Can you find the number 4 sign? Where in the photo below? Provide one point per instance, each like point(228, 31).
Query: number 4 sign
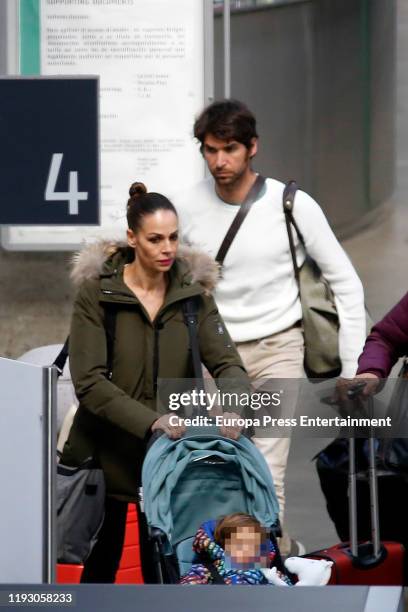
point(39, 116)
point(72, 196)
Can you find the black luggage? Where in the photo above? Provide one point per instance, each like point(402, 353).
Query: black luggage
point(383, 509)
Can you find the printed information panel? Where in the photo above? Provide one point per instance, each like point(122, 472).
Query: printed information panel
point(149, 55)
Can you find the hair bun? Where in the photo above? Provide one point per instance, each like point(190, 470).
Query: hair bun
point(137, 189)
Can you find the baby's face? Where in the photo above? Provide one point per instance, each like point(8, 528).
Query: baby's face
point(244, 546)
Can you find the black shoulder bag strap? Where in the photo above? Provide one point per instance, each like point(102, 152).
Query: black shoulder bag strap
point(288, 202)
point(110, 311)
point(61, 358)
point(110, 326)
point(190, 312)
point(243, 210)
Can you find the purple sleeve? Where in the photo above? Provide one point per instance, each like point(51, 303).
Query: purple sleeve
point(387, 342)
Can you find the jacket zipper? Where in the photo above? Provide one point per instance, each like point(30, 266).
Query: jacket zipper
point(157, 326)
point(109, 292)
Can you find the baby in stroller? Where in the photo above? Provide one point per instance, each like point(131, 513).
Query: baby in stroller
point(190, 481)
point(237, 549)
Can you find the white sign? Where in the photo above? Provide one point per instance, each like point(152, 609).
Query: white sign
point(150, 58)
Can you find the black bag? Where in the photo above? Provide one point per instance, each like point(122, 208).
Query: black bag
point(332, 464)
point(80, 510)
point(391, 453)
point(81, 490)
point(319, 312)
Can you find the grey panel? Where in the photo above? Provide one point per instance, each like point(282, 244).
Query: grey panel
point(320, 77)
point(383, 100)
point(21, 477)
point(269, 73)
point(380, 599)
point(239, 598)
point(176, 598)
point(340, 110)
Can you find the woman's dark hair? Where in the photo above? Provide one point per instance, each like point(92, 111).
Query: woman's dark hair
point(226, 120)
point(142, 203)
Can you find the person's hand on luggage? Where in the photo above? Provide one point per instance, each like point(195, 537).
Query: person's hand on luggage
point(342, 386)
point(174, 432)
point(372, 383)
point(230, 429)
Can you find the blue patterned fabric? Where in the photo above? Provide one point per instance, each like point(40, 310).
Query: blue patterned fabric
point(204, 544)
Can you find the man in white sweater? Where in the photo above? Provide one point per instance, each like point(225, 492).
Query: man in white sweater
point(257, 294)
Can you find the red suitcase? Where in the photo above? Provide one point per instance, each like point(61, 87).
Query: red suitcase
point(130, 570)
point(366, 563)
point(365, 569)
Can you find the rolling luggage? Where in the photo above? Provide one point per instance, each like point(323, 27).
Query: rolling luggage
point(366, 562)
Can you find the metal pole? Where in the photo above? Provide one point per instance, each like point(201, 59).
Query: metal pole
point(373, 484)
point(375, 522)
point(11, 9)
point(208, 52)
point(353, 496)
point(49, 462)
point(227, 48)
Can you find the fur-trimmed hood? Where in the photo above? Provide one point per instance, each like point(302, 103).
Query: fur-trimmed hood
point(90, 263)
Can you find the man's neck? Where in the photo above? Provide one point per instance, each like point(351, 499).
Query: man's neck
point(237, 192)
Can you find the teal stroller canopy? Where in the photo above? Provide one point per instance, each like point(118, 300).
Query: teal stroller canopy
point(204, 476)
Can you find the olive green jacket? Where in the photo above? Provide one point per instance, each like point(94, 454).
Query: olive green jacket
point(114, 416)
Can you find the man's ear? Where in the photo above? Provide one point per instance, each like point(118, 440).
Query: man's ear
point(253, 148)
point(131, 238)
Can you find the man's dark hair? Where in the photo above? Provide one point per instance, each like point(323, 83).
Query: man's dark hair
point(226, 120)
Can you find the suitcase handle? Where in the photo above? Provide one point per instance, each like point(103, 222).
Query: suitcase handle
point(353, 393)
point(356, 389)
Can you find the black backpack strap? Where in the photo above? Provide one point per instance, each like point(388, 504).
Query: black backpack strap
point(110, 327)
point(243, 210)
point(61, 358)
point(190, 312)
point(110, 330)
point(288, 201)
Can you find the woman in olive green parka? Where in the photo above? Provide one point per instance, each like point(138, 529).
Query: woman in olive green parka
point(145, 283)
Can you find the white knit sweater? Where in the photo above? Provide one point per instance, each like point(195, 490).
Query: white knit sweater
point(257, 294)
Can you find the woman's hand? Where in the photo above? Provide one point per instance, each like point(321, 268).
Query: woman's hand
point(174, 432)
point(233, 430)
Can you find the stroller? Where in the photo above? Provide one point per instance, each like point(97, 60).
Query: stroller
point(200, 477)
